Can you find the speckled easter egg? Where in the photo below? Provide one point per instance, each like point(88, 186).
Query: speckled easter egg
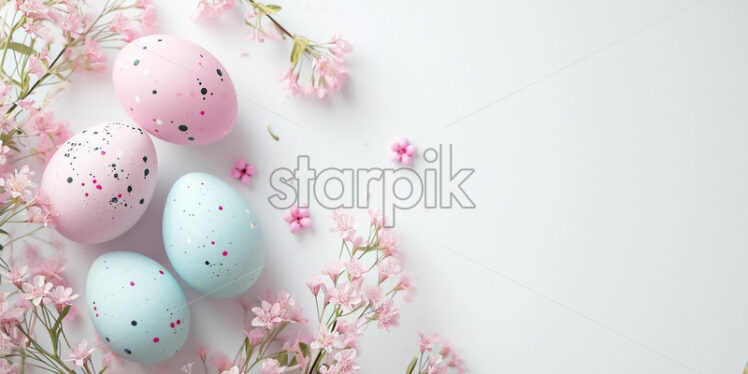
point(100, 181)
point(175, 90)
point(212, 236)
point(137, 307)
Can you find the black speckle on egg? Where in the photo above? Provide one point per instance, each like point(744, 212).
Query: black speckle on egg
point(70, 179)
point(207, 262)
point(129, 189)
point(190, 138)
point(129, 352)
point(107, 339)
point(134, 323)
point(146, 172)
point(142, 201)
point(136, 62)
point(204, 91)
point(182, 127)
point(154, 92)
point(145, 158)
point(220, 73)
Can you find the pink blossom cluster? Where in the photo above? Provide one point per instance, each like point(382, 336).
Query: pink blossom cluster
point(317, 68)
point(39, 283)
point(211, 8)
point(437, 356)
point(328, 72)
point(364, 285)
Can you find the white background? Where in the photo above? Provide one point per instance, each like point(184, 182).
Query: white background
point(609, 142)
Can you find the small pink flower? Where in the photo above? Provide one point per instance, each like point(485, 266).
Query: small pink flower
point(333, 269)
point(10, 314)
point(346, 295)
point(80, 354)
point(405, 283)
point(403, 152)
point(389, 242)
point(388, 267)
point(37, 290)
point(314, 282)
point(267, 316)
point(355, 269)
point(36, 67)
point(345, 361)
point(326, 340)
point(374, 295)
point(222, 362)
point(388, 316)
point(256, 336)
point(202, 351)
point(375, 218)
point(271, 366)
point(211, 8)
point(60, 297)
point(16, 274)
point(345, 225)
point(297, 218)
point(427, 342)
point(243, 171)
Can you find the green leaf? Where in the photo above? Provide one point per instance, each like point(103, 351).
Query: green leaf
point(282, 359)
point(4, 232)
point(267, 9)
point(304, 349)
point(275, 137)
point(411, 366)
point(21, 48)
point(59, 319)
point(299, 45)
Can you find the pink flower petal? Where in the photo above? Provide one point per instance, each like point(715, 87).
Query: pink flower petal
point(295, 227)
point(410, 150)
point(246, 179)
point(236, 173)
point(240, 164)
point(306, 222)
point(407, 160)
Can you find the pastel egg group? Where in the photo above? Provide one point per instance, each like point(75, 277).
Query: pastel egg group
point(212, 236)
point(100, 182)
point(137, 307)
point(175, 90)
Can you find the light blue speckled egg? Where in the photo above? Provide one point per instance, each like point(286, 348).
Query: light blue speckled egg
point(137, 307)
point(212, 236)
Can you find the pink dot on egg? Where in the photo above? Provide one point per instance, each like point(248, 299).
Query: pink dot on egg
point(225, 253)
point(98, 186)
point(95, 308)
point(83, 184)
point(212, 242)
point(172, 325)
point(202, 112)
point(179, 322)
point(160, 271)
point(220, 207)
point(120, 195)
point(103, 152)
point(86, 194)
point(132, 284)
point(156, 340)
point(93, 181)
point(97, 315)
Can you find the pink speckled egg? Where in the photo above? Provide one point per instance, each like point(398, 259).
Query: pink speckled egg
point(175, 90)
point(100, 182)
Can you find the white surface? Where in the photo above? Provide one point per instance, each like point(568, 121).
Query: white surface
point(610, 180)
